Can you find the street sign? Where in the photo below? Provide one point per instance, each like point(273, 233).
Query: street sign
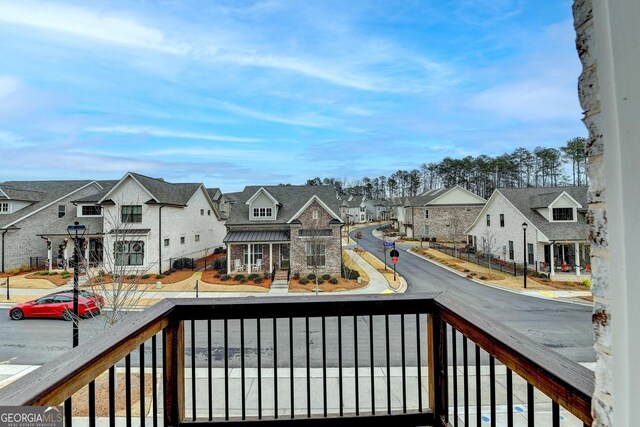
point(394, 253)
point(394, 259)
point(389, 243)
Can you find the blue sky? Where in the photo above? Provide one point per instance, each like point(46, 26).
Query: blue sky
point(232, 92)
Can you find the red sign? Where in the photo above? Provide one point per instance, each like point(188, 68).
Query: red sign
point(394, 259)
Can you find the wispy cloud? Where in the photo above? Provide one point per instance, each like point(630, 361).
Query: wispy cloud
point(166, 133)
point(215, 153)
point(84, 22)
point(8, 85)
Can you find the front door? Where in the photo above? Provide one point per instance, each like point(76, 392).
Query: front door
point(284, 255)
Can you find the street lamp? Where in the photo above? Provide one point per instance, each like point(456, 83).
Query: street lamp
point(73, 231)
point(524, 231)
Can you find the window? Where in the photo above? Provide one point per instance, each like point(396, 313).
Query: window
point(426, 214)
point(131, 213)
point(316, 254)
point(362, 209)
point(182, 240)
point(62, 211)
point(91, 210)
point(129, 253)
point(315, 214)
point(256, 253)
point(511, 249)
point(563, 214)
point(262, 212)
point(530, 253)
point(166, 242)
point(488, 220)
point(202, 212)
point(501, 220)
point(209, 212)
point(426, 229)
point(4, 207)
point(197, 237)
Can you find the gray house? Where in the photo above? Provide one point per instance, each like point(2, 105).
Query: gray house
point(285, 228)
point(29, 209)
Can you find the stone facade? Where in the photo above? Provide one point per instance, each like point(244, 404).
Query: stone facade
point(445, 222)
point(332, 243)
point(588, 89)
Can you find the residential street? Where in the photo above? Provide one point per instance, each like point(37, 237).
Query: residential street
point(566, 328)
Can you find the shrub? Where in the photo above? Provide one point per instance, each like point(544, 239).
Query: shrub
point(543, 276)
point(304, 281)
point(320, 281)
point(101, 273)
point(296, 275)
point(326, 276)
point(166, 273)
point(466, 270)
point(586, 283)
point(144, 276)
point(53, 273)
point(257, 280)
point(225, 277)
point(217, 251)
point(24, 267)
point(172, 270)
point(159, 276)
point(99, 280)
point(14, 270)
point(333, 281)
point(131, 276)
point(253, 276)
point(266, 275)
point(65, 272)
point(349, 274)
point(311, 276)
point(474, 274)
point(183, 263)
point(219, 263)
point(534, 274)
point(483, 278)
point(239, 276)
point(243, 280)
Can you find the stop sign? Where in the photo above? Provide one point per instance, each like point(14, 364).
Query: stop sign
point(394, 259)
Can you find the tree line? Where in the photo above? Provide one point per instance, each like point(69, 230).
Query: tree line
point(540, 167)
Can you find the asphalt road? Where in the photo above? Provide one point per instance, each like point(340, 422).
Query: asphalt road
point(562, 327)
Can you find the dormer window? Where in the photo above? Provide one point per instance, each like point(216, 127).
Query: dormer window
point(4, 207)
point(563, 214)
point(262, 212)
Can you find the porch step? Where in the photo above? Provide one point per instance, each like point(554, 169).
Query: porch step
point(281, 275)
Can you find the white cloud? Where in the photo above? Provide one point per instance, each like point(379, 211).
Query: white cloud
point(10, 140)
point(88, 23)
point(309, 120)
point(8, 86)
point(167, 133)
point(216, 153)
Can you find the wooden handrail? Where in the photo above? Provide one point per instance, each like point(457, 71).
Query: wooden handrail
point(59, 379)
point(564, 381)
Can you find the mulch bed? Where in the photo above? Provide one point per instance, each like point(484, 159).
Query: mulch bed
point(342, 285)
point(213, 277)
point(81, 398)
point(176, 277)
point(55, 279)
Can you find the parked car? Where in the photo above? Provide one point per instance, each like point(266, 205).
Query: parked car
point(58, 305)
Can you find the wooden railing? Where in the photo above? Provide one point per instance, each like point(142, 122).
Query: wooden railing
point(335, 360)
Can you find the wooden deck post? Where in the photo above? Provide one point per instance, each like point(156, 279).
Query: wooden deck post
point(174, 381)
point(438, 375)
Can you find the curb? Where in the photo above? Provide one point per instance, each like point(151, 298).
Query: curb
point(480, 282)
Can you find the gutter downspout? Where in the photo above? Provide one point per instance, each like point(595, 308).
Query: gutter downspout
point(160, 239)
point(4, 231)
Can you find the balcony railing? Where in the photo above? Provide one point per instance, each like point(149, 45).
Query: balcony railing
point(397, 360)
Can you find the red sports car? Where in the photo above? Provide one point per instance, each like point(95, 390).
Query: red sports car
point(59, 305)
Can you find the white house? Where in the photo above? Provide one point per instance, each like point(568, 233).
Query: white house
point(556, 231)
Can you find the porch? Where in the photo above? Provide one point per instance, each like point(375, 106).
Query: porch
point(257, 251)
point(570, 258)
point(398, 360)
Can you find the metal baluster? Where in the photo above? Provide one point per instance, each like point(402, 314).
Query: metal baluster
point(242, 373)
point(164, 373)
point(275, 368)
point(68, 413)
point(478, 388)
point(355, 356)
point(259, 344)
point(308, 371)
point(127, 389)
point(154, 376)
point(454, 358)
point(531, 410)
point(509, 398)
point(492, 389)
point(387, 351)
point(291, 365)
point(340, 364)
point(465, 379)
point(141, 376)
point(209, 370)
point(373, 390)
point(555, 411)
point(419, 362)
point(92, 404)
point(193, 369)
point(112, 396)
point(324, 366)
point(226, 370)
point(404, 366)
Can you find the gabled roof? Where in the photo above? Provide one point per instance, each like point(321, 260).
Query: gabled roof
point(47, 192)
point(214, 193)
point(291, 198)
point(160, 191)
point(354, 201)
point(527, 200)
point(264, 191)
point(10, 193)
point(430, 196)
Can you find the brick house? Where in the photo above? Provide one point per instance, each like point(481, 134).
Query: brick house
point(285, 228)
point(443, 213)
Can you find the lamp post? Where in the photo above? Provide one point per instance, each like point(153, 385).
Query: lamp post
point(73, 231)
point(524, 231)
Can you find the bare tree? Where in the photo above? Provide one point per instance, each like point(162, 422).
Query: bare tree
point(489, 245)
point(455, 226)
